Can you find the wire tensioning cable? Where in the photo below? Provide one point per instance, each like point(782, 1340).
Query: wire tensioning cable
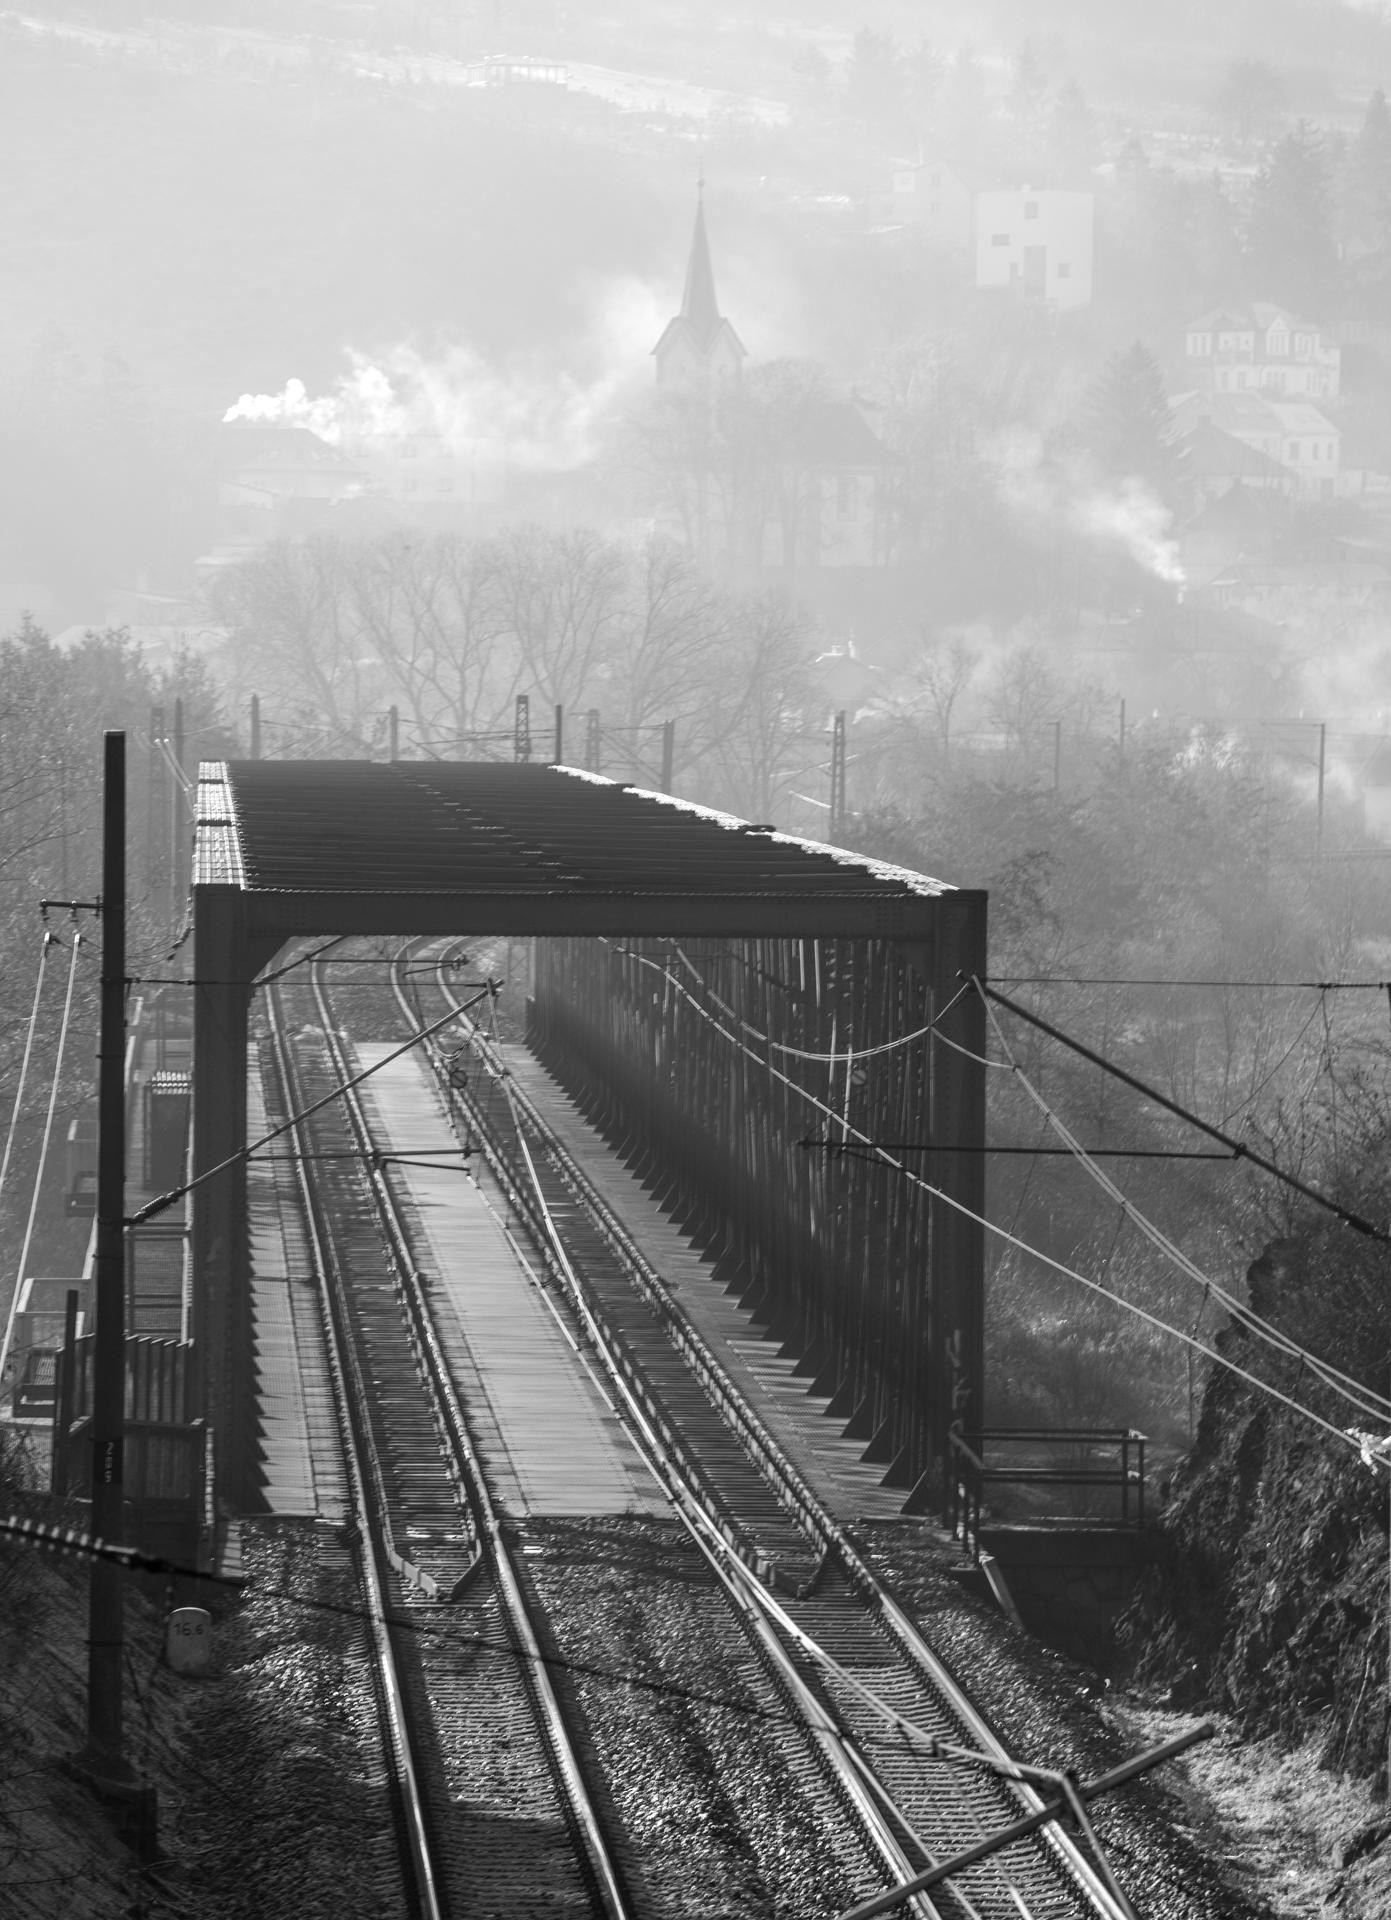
point(834, 1058)
point(47, 942)
point(77, 943)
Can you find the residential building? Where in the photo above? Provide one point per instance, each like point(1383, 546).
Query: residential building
point(1292, 433)
point(938, 199)
point(266, 467)
point(1261, 349)
point(1036, 241)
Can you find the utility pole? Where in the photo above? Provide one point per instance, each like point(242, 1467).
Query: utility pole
point(103, 1758)
point(176, 823)
point(393, 735)
point(1323, 748)
point(558, 759)
point(592, 748)
point(521, 729)
point(255, 726)
point(836, 820)
point(668, 753)
point(154, 812)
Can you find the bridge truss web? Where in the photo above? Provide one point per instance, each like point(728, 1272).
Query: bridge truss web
point(741, 1076)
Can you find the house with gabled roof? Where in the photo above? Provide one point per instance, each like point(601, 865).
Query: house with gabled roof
point(1260, 348)
point(1292, 433)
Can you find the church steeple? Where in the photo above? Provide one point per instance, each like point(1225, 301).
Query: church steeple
point(699, 344)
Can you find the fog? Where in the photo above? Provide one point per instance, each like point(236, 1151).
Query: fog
point(998, 394)
point(1049, 337)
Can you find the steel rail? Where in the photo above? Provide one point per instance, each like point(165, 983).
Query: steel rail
point(363, 1471)
point(578, 1802)
point(788, 1482)
point(872, 1806)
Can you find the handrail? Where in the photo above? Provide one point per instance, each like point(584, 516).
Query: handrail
point(972, 1472)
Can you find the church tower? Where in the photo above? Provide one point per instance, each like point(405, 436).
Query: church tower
point(699, 347)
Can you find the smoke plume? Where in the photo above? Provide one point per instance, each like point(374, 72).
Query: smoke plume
point(523, 417)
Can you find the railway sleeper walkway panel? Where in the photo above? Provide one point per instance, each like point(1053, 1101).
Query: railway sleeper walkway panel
point(551, 1446)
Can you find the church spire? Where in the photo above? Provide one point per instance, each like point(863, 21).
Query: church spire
point(699, 305)
point(699, 344)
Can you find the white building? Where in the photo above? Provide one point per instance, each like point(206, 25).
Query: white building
point(1036, 241)
point(1294, 434)
point(937, 199)
point(1261, 349)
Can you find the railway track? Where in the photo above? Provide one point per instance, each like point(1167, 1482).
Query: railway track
point(884, 1717)
point(465, 1698)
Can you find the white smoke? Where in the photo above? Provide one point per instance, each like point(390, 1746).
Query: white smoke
point(528, 417)
point(1127, 514)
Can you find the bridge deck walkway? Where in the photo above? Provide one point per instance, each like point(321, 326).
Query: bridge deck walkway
point(550, 1443)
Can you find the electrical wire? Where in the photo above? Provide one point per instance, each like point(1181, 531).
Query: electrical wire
point(1251, 986)
point(833, 1058)
point(1238, 1147)
point(77, 943)
point(1363, 1399)
point(47, 942)
point(1346, 1438)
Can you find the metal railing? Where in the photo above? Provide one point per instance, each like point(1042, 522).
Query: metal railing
point(974, 1467)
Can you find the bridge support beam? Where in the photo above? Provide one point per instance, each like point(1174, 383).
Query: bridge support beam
point(225, 961)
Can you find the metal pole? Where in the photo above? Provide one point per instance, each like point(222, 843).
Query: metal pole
point(393, 734)
point(559, 735)
point(153, 812)
point(62, 1394)
point(668, 752)
point(836, 820)
point(521, 729)
point(176, 800)
point(255, 726)
point(105, 1637)
point(1323, 744)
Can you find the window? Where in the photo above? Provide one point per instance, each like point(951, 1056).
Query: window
point(446, 483)
point(1064, 269)
point(1031, 209)
point(1292, 451)
point(409, 450)
point(845, 496)
point(999, 239)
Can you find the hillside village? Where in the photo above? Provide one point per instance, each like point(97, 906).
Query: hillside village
point(1015, 413)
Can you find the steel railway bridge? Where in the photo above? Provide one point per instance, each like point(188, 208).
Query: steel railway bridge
point(733, 1007)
